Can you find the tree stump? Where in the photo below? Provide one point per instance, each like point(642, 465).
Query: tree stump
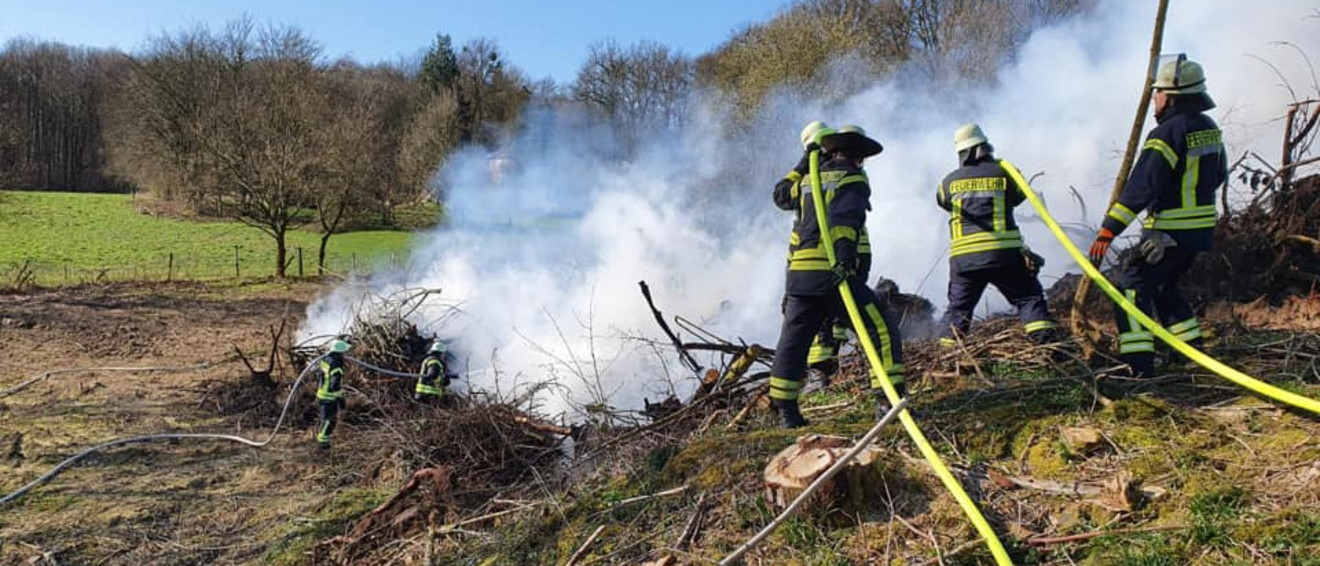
point(790, 472)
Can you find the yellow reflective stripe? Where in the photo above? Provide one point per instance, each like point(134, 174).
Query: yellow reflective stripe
point(843, 232)
point(1038, 325)
point(1186, 212)
point(886, 347)
point(1133, 324)
point(1193, 224)
point(786, 389)
point(955, 223)
point(1191, 176)
point(1136, 348)
point(1185, 325)
point(988, 247)
point(990, 237)
point(793, 176)
point(809, 265)
point(808, 254)
point(1189, 334)
point(428, 389)
point(850, 180)
point(1000, 220)
point(840, 332)
point(819, 352)
point(1122, 213)
point(948, 342)
point(794, 239)
point(1164, 149)
point(1136, 342)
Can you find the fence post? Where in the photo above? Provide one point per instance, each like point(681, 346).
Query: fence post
point(300, 264)
point(169, 273)
point(236, 274)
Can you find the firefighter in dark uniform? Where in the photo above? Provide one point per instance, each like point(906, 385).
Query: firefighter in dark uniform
point(812, 283)
point(330, 392)
point(1180, 167)
point(986, 246)
point(434, 377)
point(824, 353)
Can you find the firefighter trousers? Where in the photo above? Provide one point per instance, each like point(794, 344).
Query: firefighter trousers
point(803, 315)
point(329, 412)
point(1154, 289)
point(1019, 286)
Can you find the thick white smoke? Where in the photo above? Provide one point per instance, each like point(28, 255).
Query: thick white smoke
point(545, 262)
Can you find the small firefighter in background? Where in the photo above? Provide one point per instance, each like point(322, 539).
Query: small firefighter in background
point(1181, 165)
point(330, 392)
point(434, 375)
point(824, 353)
point(986, 247)
point(812, 285)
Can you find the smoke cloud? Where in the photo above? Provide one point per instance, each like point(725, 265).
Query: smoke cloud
point(544, 262)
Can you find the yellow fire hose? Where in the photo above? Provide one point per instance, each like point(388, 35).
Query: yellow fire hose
point(909, 424)
point(1182, 347)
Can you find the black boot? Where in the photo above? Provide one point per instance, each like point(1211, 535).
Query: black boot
point(789, 414)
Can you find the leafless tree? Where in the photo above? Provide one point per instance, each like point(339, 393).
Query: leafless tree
point(642, 88)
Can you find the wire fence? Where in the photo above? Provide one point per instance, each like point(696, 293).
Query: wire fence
point(238, 264)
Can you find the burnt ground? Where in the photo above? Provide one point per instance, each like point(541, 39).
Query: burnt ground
point(160, 503)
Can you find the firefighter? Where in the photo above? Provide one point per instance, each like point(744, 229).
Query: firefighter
point(1180, 166)
point(812, 283)
point(824, 352)
point(330, 392)
point(433, 369)
point(986, 247)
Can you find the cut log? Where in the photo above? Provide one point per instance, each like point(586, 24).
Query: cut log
point(790, 472)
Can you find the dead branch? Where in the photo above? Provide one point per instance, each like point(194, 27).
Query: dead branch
point(581, 551)
point(1045, 541)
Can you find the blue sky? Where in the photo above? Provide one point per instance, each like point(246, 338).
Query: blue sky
point(543, 37)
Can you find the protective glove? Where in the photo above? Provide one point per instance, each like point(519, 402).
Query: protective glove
point(1033, 260)
point(840, 272)
point(1153, 245)
point(1101, 246)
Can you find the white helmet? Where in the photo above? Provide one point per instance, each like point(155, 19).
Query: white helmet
point(1177, 75)
point(439, 346)
point(968, 136)
point(810, 131)
point(339, 346)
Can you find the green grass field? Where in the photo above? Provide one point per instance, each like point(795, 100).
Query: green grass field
point(77, 237)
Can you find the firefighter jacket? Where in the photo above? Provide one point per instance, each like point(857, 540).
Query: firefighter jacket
point(847, 196)
point(980, 198)
point(1181, 165)
point(332, 378)
point(433, 370)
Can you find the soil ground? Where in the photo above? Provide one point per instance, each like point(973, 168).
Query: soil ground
point(161, 503)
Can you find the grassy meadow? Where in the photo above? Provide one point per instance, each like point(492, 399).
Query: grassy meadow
point(74, 237)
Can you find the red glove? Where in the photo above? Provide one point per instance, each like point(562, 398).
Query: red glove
point(1101, 246)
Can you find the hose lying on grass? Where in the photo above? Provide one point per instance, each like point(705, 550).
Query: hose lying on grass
point(70, 461)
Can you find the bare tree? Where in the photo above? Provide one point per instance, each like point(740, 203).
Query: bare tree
point(238, 117)
point(639, 89)
point(50, 115)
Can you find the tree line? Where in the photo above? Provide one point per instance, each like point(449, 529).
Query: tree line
point(256, 123)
